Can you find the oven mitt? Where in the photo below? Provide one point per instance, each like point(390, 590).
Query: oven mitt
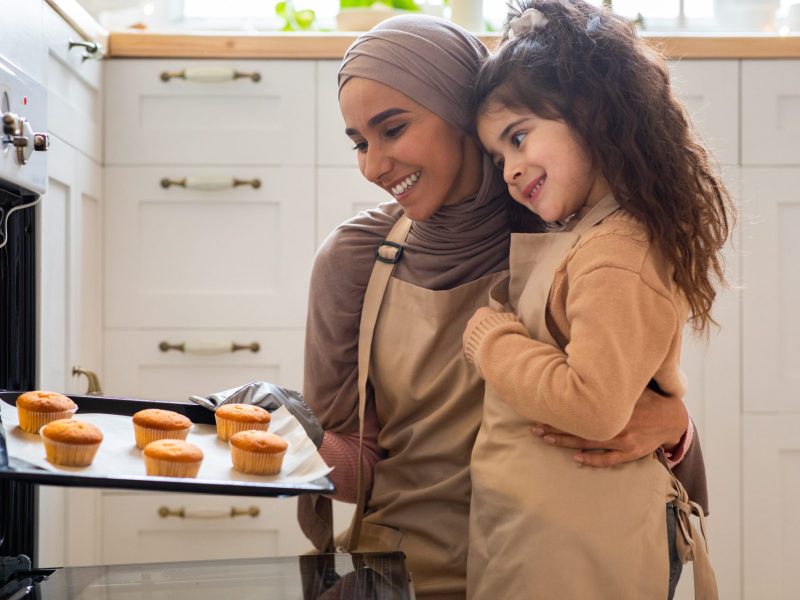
point(269, 396)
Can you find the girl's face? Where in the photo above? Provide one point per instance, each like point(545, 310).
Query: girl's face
point(545, 167)
point(421, 160)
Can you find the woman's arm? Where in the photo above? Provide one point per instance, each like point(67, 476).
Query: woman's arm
point(657, 421)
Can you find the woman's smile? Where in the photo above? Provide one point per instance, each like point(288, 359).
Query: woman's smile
point(402, 187)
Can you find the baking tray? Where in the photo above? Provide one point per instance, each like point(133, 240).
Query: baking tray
point(14, 468)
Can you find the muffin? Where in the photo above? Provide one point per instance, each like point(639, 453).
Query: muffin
point(38, 408)
point(172, 458)
point(232, 418)
point(71, 443)
point(257, 452)
point(153, 424)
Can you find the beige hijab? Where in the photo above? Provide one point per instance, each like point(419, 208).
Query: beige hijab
point(433, 62)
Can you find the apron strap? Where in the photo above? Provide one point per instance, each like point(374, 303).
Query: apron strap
point(692, 547)
point(387, 256)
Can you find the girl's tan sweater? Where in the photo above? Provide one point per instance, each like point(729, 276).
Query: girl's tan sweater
point(617, 317)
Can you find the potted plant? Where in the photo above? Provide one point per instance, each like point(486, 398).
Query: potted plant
point(362, 15)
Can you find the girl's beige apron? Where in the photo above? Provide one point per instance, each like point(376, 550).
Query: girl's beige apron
point(429, 404)
point(543, 527)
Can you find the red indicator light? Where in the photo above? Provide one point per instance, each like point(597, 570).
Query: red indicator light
point(24, 101)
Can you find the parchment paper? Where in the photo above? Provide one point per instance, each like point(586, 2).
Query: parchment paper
point(119, 456)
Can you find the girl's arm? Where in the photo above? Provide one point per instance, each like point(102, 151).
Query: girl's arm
point(621, 330)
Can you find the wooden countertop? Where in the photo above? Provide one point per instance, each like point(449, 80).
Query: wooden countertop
point(144, 44)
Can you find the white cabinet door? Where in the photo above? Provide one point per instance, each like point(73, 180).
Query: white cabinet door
point(21, 41)
point(342, 193)
point(771, 294)
point(712, 368)
point(69, 329)
point(150, 121)
point(134, 530)
point(770, 112)
point(70, 262)
point(771, 500)
point(135, 366)
point(74, 89)
point(334, 147)
point(710, 91)
point(193, 258)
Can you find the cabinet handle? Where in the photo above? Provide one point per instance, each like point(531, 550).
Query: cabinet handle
point(210, 183)
point(208, 348)
point(92, 379)
point(208, 513)
point(210, 75)
point(90, 49)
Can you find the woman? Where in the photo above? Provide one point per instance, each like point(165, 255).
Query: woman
point(404, 91)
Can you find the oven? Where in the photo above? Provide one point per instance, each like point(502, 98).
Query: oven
point(23, 179)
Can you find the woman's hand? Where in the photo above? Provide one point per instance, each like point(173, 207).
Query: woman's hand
point(656, 421)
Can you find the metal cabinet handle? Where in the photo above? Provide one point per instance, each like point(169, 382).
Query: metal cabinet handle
point(210, 75)
point(208, 348)
point(207, 183)
point(91, 49)
point(208, 513)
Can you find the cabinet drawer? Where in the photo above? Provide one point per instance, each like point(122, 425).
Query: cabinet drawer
point(133, 530)
point(136, 366)
point(343, 193)
point(710, 91)
point(335, 148)
point(770, 112)
point(74, 97)
point(270, 121)
point(236, 257)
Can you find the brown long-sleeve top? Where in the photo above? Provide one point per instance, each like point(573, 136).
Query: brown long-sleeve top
point(617, 317)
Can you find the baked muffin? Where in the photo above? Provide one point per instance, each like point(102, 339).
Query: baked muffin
point(38, 408)
point(257, 452)
point(153, 424)
point(233, 418)
point(172, 458)
point(71, 443)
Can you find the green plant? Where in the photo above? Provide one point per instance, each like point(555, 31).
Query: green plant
point(294, 20)
point(409, 5)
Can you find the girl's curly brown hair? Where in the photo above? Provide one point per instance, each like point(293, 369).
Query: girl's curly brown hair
point(589, 68)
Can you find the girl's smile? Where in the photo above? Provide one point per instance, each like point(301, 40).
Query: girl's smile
point(546, 168)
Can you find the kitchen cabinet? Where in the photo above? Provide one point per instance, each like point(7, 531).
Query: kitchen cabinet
point(70, 266)
point(770, 327)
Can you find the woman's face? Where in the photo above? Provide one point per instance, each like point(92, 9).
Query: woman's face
point(421, 160)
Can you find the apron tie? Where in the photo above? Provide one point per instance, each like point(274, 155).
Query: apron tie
point(690, 547)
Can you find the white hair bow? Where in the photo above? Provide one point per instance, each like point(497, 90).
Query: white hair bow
point(529, 21)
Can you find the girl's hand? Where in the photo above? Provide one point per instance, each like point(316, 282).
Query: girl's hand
point(656, 421)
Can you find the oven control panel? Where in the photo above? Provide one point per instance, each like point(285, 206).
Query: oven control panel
point(23, 112)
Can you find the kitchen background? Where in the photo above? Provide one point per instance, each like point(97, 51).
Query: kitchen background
point(184, 208)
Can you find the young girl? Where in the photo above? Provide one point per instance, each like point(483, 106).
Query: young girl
point(579, 115)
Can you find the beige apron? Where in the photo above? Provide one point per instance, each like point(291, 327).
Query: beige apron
point(429, 404)
point(542, 526)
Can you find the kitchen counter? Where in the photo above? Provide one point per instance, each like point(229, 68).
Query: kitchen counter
point(144, 44)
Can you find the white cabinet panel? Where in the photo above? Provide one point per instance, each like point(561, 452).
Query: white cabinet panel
point(710, 91)
point(241, 122)
point(196, 258)
point(771, 500)
point(342, 193)
point(135, 366)
point(770, 112)
point(21, 40)
point(771, 295)
point(334, 148)
point(133, 531)
point(74, 89)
